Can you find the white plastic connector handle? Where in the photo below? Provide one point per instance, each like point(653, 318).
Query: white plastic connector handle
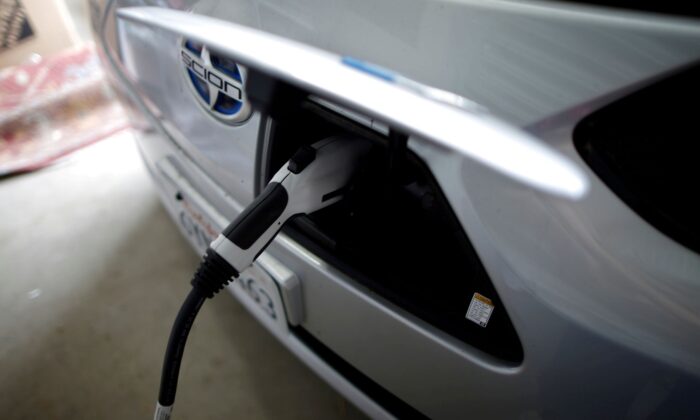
point(313, 184)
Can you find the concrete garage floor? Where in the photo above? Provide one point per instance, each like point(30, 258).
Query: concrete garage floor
point(92, 272)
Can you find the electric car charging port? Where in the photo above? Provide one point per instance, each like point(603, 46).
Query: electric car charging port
point(394, 232)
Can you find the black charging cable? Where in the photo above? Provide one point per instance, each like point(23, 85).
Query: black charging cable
point(212, 275)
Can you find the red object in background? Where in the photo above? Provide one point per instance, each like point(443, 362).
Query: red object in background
point(52, 106)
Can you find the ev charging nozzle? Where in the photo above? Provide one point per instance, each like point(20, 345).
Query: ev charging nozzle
point(314, 178)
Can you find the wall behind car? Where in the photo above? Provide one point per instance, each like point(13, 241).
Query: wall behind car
point(51, 26)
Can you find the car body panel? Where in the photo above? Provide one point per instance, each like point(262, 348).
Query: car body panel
point(604, 304)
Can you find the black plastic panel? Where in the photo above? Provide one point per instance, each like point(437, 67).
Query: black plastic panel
point(646, 148)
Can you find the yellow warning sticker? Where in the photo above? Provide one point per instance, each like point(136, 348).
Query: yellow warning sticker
point(480, 309)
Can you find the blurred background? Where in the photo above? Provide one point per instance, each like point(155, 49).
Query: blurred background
point(53, 96)
point(92, 271)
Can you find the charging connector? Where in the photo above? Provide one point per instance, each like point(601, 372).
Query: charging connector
point(314, 178)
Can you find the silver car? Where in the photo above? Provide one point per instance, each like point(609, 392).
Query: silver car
point(522, 243)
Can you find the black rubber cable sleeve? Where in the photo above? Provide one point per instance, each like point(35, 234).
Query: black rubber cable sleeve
point(213, 273)
point(176, 345)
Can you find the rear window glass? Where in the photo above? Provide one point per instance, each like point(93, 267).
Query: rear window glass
point(646, 148)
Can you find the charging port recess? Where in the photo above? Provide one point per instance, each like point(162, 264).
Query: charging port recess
point(394, 232)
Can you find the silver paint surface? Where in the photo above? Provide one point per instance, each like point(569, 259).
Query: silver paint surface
point(605, 305)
